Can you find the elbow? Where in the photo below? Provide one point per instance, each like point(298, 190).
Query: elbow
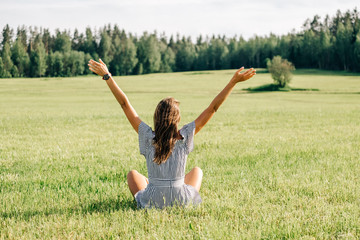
point(123, 105)
point(214, 109)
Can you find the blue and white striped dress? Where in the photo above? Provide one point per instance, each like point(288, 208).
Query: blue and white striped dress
point(166, 181)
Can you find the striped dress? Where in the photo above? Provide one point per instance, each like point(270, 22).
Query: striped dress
point(166, 181)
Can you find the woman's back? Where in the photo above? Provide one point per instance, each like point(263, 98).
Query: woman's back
point(166, 181)
point(174, 167)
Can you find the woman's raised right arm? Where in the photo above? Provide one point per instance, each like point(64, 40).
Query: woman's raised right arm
point(101, 69)
point(209, 112)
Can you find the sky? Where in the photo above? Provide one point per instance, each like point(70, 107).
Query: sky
point(186, 17)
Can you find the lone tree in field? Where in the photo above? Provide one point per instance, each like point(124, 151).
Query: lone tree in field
point(280, 70)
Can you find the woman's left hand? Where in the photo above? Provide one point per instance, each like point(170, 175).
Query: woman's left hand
point(240, 76)
point(99, 68)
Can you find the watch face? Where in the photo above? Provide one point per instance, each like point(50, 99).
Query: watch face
point(106, 76)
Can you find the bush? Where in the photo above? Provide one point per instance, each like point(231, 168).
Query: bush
point(280, 70)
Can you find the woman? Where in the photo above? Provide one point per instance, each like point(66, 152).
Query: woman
point(166, 149)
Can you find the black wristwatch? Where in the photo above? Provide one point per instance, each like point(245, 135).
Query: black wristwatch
point(106, 76)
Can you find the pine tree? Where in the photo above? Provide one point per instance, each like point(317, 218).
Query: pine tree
point(105, 47)
point(77, 40)
point(128, 57)
point(232, 47)
point(167, 58)
point(7, 35)
point(202, 60)
point(125, 59)
point(114, 65)
point(90, 44)
point(75, 63)
point(325, 49)
point(311, 49)
point(55, 63)
point(342, 43)
point(185, 56)
point(2, 70)
point(48, 41)
point(22, 35)
point(20, 58)
point(6, 59)
point(218, 52)
point(62, 42)
point(148, 54)
point(38, 58)
point(357, 52)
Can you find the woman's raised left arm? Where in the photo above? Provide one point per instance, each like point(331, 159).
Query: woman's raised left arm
point(101, 69)
point(209, 112)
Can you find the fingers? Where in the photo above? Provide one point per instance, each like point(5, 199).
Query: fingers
point(93, 70)
point(247, 72)
point(250, 73)
point(98, 67)
point(93, 66)
point(243, 76)
point(239, 71)
point(94, 63)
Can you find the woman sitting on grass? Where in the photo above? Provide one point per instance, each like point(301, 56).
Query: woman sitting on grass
point(166, 149)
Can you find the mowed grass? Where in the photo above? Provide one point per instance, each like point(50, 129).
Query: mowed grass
point(276, 164)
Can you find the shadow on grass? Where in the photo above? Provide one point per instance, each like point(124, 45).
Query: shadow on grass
point(277, 88)
point(108, 205)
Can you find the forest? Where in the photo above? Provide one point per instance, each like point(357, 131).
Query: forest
point(332, 43)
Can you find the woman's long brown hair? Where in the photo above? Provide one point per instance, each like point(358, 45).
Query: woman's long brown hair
point(166, 119)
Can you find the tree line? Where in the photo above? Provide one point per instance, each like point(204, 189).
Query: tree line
point(332, 43)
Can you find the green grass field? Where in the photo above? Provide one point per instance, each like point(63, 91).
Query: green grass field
point(276, 164)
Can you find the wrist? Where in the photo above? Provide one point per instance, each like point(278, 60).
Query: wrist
point(233, 82)
point(106, 76)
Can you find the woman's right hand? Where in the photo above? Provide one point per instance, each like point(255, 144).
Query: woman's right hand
point(243, 76)
point(99, 68)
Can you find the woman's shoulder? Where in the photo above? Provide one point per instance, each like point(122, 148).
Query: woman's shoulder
point(145, 130)
point(145, 137)
point(187, 131)
point(144, 127)
point(188, 128)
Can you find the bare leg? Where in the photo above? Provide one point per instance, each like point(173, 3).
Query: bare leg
point(136, 181)
point(194, 178)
